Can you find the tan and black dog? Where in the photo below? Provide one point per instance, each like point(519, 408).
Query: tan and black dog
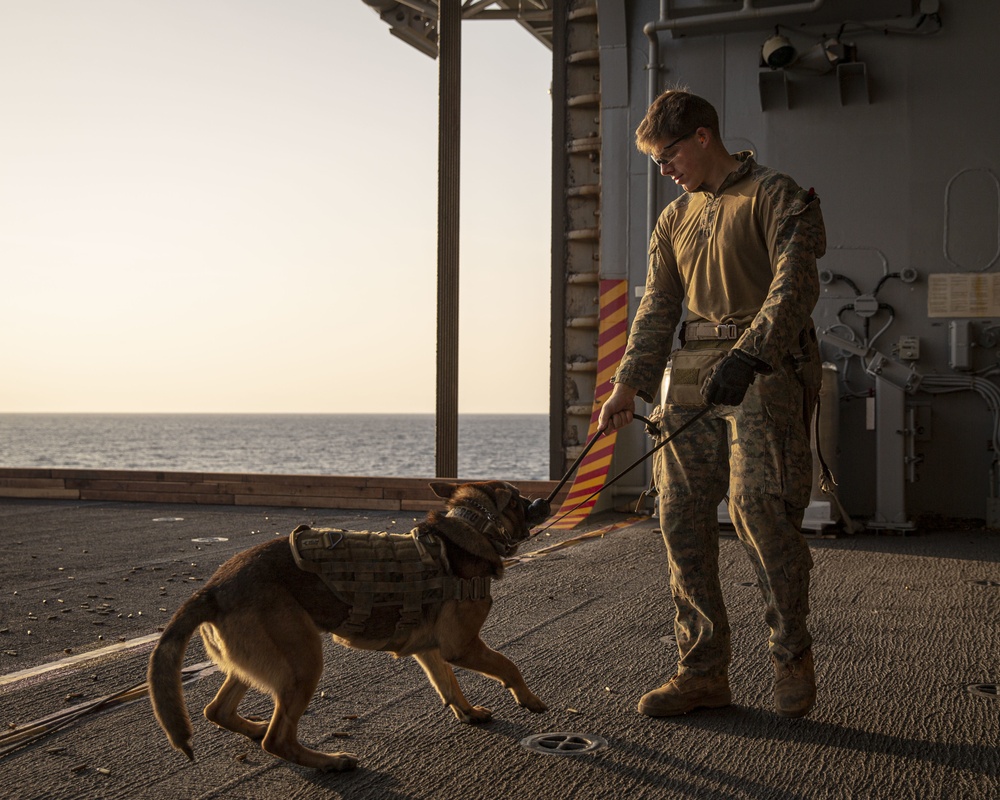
point(262, 613)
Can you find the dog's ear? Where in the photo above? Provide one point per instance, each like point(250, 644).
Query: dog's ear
point(503, 495)
point(443, 490)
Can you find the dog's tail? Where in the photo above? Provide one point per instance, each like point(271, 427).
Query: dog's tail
point(164, 673)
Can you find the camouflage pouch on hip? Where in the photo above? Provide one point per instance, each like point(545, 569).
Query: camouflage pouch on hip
point(689, 371)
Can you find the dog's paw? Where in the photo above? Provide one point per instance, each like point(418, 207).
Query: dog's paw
point(534, 705)
point(475, 715)
point(526, 698)
point(339, 762)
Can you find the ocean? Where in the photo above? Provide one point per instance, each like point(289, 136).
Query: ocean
point(506, 446)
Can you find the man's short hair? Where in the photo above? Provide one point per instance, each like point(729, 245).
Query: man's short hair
point(674, 113)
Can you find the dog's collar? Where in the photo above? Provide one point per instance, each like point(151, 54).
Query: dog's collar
point(476, 517)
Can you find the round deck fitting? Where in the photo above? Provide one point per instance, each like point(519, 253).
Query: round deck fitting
point(564, 743)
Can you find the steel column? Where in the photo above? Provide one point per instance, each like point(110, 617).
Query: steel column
point(557, 363)
point(449, 153)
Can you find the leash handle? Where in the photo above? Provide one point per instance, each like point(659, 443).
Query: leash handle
point(627, 469)
point(583, 454)
point(642, 458)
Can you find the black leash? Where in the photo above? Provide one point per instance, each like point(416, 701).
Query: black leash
point(624, 472)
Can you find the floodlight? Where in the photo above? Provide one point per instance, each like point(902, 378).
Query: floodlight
point(778, 52)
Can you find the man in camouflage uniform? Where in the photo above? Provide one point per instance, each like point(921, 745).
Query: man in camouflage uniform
point(739, 247)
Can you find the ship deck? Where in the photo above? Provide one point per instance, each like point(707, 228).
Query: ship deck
point(906, 645)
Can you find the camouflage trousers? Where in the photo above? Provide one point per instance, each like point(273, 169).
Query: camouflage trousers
point(757, 453)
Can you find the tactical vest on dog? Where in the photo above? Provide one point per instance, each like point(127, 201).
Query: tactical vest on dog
point(365, 570)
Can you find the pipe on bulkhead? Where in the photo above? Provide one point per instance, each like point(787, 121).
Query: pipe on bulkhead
point(665, 23)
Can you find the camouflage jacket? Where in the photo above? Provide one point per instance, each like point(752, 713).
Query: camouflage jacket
point(745, 254)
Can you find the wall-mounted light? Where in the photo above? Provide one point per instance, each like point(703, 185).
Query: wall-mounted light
point(820, 58)
point(777, 52)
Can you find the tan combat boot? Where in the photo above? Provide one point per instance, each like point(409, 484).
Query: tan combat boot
point(794, 686)
point(684, 693)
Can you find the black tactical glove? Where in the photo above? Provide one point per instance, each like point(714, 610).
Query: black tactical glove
point(730, 379)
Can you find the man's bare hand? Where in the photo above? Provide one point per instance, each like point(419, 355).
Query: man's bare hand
point(618, 409)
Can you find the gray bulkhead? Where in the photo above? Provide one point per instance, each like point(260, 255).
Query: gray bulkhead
point(901, 140)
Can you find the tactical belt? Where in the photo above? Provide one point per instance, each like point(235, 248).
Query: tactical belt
point(702, 331)
point(368, 570)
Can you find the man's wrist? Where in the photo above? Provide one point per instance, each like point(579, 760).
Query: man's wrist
point(625, 391)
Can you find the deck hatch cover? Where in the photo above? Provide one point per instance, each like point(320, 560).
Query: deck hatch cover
point(564, 743)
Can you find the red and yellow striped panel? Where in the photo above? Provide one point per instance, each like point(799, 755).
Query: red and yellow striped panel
point(593, 470)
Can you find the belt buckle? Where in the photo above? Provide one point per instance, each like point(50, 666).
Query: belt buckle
point(726, 331)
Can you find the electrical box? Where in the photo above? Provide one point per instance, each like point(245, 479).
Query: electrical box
point(960, 345)
point(909, 348)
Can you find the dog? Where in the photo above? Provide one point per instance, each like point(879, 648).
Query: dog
point(262, 613)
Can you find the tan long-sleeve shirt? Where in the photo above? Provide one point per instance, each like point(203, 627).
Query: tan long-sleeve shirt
point(745, 254)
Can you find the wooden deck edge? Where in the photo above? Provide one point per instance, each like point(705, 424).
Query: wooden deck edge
point(241, 489)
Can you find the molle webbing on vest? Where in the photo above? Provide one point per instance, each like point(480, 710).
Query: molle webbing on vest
point(366, 570)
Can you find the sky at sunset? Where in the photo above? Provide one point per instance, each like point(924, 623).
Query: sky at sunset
point(230, 206)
